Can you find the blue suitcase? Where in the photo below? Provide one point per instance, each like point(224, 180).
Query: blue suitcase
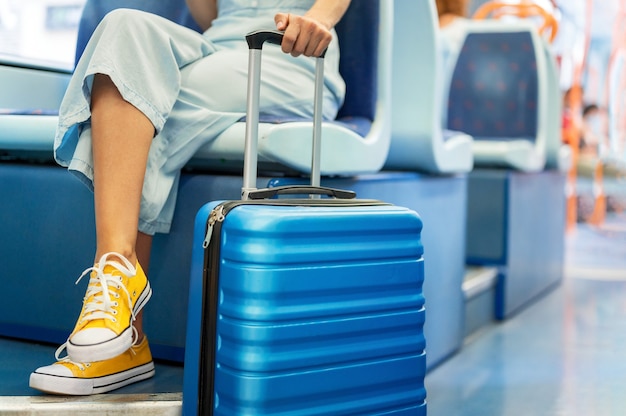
point(304, 306)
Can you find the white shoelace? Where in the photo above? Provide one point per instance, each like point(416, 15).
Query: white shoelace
point(100, 307)
point(66, 359)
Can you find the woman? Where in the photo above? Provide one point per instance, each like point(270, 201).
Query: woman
point(146, 94)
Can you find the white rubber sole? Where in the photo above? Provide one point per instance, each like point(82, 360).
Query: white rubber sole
point(75, 386)
point(113, 347)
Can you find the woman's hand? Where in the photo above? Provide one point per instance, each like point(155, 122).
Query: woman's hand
point(303, 35)
point(310, 34)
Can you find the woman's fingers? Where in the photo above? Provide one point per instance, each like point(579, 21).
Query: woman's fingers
point(302, 35)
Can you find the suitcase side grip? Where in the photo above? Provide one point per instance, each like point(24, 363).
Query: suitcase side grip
point(301, 190)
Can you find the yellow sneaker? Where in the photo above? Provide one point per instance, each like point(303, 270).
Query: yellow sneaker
point(71, 378)
point(117, 291)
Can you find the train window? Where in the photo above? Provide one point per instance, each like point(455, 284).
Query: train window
point(39, 32)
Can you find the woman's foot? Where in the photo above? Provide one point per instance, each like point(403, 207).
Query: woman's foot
point(116, 293)
point(72, 378)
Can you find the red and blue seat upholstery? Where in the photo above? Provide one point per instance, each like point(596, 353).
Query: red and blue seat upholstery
point(499, 94)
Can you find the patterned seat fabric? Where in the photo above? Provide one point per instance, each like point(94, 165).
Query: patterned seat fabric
point(494, 88)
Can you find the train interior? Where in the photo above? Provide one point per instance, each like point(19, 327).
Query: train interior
point(522, 198)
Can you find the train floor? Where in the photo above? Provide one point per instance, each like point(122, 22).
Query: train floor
point(563, 355)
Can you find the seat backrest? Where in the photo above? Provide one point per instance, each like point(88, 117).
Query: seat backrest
point(418, 141)
point(359, 28)
point(494, 89)
point(500, 94)
point(416, 65)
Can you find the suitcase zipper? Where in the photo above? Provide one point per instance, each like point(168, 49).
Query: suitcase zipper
point(217, 214)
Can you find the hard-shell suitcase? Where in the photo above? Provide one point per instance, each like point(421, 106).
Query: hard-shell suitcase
point(304, 306)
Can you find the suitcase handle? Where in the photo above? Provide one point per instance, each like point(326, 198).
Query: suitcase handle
point(255, 41)
point(301, 190)
point(257, 38)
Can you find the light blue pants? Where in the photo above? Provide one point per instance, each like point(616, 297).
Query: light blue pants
point(191, 86)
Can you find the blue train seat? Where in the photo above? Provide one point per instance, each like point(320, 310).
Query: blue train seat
point(419, 141)
point(499, 95)
point(357, 142)
point(505, 93)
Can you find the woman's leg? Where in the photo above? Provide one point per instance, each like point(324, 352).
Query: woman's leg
point(121, 140)
point(118, 288)
point(121, 136)
point(106, 132)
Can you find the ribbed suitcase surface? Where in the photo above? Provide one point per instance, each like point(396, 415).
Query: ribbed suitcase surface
point(307, 310)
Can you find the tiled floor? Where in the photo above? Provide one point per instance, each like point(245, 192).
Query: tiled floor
point(564, 355)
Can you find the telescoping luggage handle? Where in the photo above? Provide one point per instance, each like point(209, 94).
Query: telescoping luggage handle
point(255, 41)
